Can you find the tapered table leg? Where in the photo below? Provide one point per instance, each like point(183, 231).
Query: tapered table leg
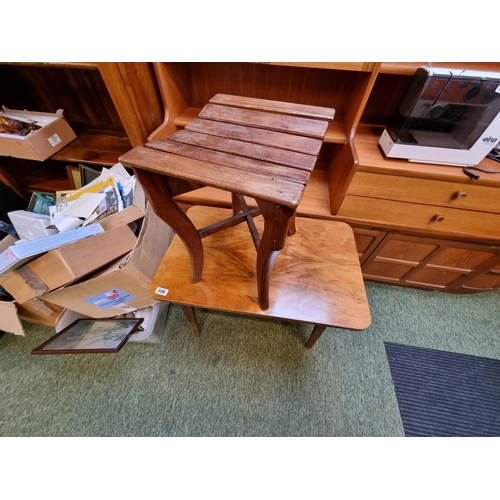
point(191, 319)
point(315, 335)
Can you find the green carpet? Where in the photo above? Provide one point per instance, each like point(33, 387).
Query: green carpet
point(244, 376)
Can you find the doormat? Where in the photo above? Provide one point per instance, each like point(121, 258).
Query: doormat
point(443, 393)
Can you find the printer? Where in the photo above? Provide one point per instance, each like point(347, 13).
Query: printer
point(447, 116)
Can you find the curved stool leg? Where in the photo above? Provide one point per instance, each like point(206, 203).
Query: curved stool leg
point(276, 221)
point(157, 188)
point(291, 225)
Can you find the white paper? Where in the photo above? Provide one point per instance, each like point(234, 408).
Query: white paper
point(84, 206)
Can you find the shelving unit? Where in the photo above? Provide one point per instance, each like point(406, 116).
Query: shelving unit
point(186, 87)
point(419, 225)
point(94, 109)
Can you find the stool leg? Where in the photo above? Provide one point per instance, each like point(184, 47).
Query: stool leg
point(276, 221)
point(158, 192)
point(291, 226)
point(236, 204)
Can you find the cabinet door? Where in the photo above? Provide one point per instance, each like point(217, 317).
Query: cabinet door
point(366, 241)
point(484, 279)
point(430, 263)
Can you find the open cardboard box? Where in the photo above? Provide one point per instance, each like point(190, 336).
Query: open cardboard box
point(135, 269)
point(37, 311)
point(54, 134)
point(122, 286)
point(73, 261)
point(68, 263)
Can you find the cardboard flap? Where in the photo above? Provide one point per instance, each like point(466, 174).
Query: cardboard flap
point(9, 321)
point(85, 257)
point(154, 240)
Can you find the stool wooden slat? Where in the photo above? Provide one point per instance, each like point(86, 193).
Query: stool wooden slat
point(288, 108)
point(232, 161)
point(227, 178)
point(246, 149)
point(280, 140)
point(274, 146)
point(269, 121)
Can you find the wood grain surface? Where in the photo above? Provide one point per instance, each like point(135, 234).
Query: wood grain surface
point(288, 108)
point(269, 121)
point(316, 278)
point(257, 136)
point(230, 179)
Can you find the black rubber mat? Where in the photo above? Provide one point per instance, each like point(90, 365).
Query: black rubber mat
point(443, 393)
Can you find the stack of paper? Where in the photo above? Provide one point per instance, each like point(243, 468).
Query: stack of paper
point(111, 192)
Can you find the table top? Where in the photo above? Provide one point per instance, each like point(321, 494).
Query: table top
point(255, 147)
point(316, 278)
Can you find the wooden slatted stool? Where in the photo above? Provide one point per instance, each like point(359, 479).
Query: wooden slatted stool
point(250, 147)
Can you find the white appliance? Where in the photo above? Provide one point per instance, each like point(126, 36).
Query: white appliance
point(447, 116)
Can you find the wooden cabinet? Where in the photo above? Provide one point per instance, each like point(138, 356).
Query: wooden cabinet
point(421, 225)
point(418, 225)
point(367, 240)
point(442, 228)
point(110, 106)
point(433, 263)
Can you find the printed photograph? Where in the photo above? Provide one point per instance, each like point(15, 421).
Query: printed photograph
point(90, 336)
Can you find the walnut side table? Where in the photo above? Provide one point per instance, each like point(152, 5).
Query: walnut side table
point(317, 278)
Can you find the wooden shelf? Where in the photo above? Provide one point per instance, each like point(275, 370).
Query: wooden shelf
point(372, 159)
point(93, 149)
point(50, 177)
point(315, 202)
point(335, 133)
point(70, 65)
point(344, 66)
point(409, 68)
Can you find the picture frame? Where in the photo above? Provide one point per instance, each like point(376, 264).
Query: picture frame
point(88, 174)
point(74, 176)
point(89, 335)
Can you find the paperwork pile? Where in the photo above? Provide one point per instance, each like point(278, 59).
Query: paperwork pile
point(101, 276)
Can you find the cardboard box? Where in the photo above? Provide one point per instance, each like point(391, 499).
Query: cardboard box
point(129, 214)
point(42, 143)
point(68, 263)
point(123, 286)
point(36, 311)
point(15, 256)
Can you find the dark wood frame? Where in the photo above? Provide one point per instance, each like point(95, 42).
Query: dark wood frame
point(135, 322)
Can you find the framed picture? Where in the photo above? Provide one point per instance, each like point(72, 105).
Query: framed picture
point(87, 174)
point(90, 336)
point(74, 177)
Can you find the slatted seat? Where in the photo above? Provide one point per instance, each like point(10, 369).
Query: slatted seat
point(250, 147)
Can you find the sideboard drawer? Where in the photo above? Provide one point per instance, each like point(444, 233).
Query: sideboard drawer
point(419, 215)
point(463, 195)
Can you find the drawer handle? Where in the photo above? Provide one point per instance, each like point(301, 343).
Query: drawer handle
point(438, 218)
point(459, 195)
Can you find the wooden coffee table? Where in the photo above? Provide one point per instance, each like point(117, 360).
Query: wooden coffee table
point(316, 279)
point(250, 147)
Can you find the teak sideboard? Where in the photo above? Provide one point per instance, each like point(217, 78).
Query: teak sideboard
point(418, 225)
